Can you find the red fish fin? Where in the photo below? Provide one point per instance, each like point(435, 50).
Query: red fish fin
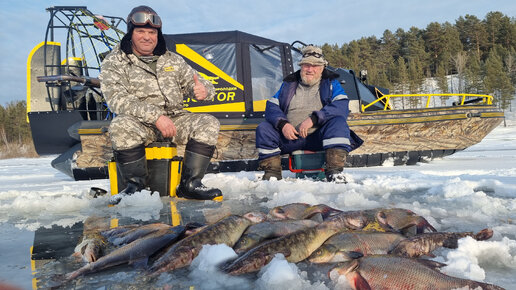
point(359, 283)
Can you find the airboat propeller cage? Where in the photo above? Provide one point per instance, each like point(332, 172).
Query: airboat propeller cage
point(68, 114)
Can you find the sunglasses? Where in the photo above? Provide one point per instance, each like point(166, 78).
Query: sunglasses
point(315, 54)
point(142, 18)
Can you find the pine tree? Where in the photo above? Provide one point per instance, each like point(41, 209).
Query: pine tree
point(473, 75)
point(472, 34)
point(496, 81)
point(442, 80)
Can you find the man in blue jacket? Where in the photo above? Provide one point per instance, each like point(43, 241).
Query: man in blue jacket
point(309, 112)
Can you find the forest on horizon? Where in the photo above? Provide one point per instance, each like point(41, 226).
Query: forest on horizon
point(480, 52)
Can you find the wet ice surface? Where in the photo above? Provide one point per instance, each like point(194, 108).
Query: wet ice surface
point(467, 191)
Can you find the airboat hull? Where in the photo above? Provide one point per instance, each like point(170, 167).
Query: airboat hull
point(402, 137)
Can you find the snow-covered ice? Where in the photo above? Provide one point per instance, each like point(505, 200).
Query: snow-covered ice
point(468, 191)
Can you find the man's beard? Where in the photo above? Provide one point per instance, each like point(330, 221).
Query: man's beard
point(311, 82)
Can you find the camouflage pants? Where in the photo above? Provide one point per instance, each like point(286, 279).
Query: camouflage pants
point(127, 132)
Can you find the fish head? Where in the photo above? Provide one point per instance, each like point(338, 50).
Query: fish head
point(354, 220)
point(250, 264)
point(483, 235)
point(291, 211)
point(343, 268)
point(255, 217)
point(402, 220)
point(324, 254)
point(325, 210)
point(246, 242)
point(351, 271)
point(351, 220)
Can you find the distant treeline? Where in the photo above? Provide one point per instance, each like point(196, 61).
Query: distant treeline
point(13, 123)
point(15, 134)
point(480, 53)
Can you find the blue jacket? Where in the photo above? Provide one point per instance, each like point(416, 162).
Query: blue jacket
point(333, 98)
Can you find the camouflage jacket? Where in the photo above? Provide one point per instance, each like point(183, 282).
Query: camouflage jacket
point(131, 87)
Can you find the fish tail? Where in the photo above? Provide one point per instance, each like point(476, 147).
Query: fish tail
point(424, 224)
point(483, 235)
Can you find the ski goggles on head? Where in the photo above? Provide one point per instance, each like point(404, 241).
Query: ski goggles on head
point(142, 18)
point(315, 54)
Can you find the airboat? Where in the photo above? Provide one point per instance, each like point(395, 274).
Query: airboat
point(69, 117)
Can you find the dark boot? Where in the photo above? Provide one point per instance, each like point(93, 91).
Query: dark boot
point(132, 166)
point(335, 161)
point(271, 167)
point(195, 162)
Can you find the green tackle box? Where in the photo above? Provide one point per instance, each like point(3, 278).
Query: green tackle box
point(307, 163)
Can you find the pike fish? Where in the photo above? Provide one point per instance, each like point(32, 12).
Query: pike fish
point(134, 252)
point(91, 246)
point(257, 233)
point(127, 236)
point(296, 246)
point(116, 231)
point(226, 231)
point(392, 272)
point(344, 246)
point(424, 244)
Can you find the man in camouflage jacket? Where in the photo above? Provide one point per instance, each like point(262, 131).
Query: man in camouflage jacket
point(144, 85)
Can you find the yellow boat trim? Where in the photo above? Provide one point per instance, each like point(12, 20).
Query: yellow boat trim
point(71, 58)
point(96, 131)
point(385, 99)
point(259, 106)
point(29, 60)
point(388, 121)
point(425, 110)
point(189, 53)
point(230, 107)
point(492, 115)
point(175, 214)
point(33, 269)
point(238, 127)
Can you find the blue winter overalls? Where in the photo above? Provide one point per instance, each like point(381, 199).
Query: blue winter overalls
point(332, 128)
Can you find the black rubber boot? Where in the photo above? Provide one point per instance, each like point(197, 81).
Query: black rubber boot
point(132, 166)
point(271, 167)
point(195, 162)
point(335, 161)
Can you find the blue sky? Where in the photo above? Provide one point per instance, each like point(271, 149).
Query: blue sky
point(317, 22)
